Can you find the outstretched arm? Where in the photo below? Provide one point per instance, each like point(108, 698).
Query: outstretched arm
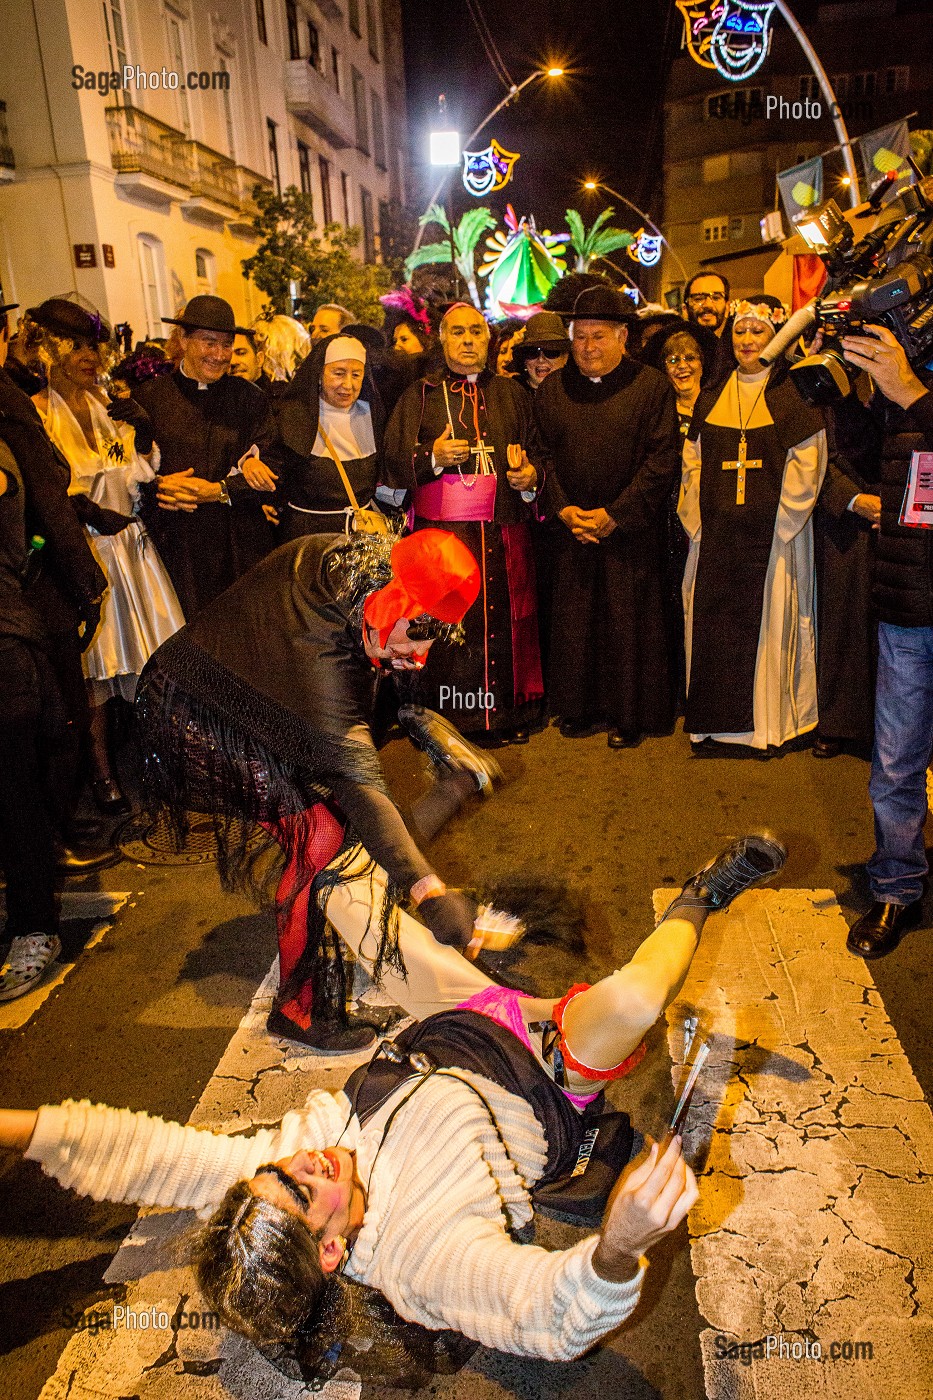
point(17, 1126)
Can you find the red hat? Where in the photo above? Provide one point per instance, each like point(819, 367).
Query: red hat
point(432, 572)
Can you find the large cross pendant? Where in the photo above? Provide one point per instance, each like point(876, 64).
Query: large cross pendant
point(740, 467)
point(483, 454)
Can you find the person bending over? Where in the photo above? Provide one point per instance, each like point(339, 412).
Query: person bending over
point(415, 1192)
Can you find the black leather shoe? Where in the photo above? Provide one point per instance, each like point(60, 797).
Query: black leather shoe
point(109, 798)
point(878, 932)
point(622, 739)
point(518, 736)
point(826, 748)
point(84, 860)
point(575, 728)
point(751, 860)
point(327, 1036)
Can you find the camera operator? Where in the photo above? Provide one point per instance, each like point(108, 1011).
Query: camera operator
point(903, 595)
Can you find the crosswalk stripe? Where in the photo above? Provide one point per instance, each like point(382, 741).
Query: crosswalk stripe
point(814, 1226)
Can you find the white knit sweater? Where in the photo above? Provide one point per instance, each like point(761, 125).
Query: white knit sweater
point(434, 1237)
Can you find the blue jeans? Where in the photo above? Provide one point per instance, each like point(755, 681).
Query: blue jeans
point(903, 742)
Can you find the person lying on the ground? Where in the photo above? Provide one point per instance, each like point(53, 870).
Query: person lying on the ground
point(260, 712)
point(415, 1192)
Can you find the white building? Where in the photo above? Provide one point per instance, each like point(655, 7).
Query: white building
point(139, 198)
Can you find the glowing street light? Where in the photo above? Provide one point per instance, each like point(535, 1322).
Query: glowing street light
point(445, 144)
point(553, 72)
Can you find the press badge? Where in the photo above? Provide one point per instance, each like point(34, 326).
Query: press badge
point(917, 506)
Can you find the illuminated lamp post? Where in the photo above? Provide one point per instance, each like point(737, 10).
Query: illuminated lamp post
point(510, 96)
point(593, 185)
point(445, 152)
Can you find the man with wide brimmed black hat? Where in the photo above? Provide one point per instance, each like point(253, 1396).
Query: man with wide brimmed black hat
point(218, 454)
point(611, 428)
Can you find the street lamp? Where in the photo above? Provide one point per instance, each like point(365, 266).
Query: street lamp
point(599, 185)
point(445, 152)
point(513, 92)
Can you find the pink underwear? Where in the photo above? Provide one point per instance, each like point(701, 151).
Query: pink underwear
point(501, 1004)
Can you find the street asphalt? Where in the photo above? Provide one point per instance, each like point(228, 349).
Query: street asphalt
point(146, 1014)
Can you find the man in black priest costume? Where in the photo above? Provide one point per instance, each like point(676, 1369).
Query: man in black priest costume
point(609, 427)
point(260, 712)
point(463, 451)
point(218, 451)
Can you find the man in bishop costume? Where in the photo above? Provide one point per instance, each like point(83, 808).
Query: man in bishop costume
point(462, 451)
point(753, 465)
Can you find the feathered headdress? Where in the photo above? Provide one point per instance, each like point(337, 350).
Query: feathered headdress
point(407, 304)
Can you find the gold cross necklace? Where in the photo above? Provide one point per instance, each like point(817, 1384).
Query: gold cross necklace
point(743, 463)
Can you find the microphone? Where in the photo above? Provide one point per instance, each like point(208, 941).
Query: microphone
point(788, 333)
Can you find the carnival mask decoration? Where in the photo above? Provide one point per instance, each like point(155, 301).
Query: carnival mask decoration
point(488, 170)
point(742, 38)
point(700, 20)
point(646, 248)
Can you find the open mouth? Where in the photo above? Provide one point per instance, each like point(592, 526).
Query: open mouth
point(328, 1162)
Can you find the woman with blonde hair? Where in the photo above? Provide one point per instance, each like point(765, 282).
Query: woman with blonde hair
point(285, 343)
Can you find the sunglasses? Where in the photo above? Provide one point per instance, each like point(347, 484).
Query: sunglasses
point(533, 352)
point(682, 360)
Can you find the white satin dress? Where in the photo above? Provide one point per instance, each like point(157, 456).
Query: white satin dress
point(140, 609)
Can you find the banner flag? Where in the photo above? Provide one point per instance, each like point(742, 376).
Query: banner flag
point(884, 150)
point(801, 188)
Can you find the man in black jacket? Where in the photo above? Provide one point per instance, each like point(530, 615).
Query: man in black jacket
point(903, 594)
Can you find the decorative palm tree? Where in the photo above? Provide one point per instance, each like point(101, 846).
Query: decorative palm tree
point(467, 234)
point(596, 242)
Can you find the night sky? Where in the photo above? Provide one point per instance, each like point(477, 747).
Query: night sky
point(604, 119)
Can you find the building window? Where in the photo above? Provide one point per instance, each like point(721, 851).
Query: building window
point(335, 68)
point(353, 16)
point(840, 85)
point(314, 46)
point(273, 154)
point(379, 132)
point(372, 24)
point(744, 104)
point(261, 21)
point(327, 207)
point(861, 85)
point(228, 111)
point(116, 32)
point(716, 230)
point(715, 168)
point(896, 79)
point(369, 228)
point(736, 226)
point(345, 193)
point(304, 168)
point(152, 275)
point(205, 270)
point(809, 87)
point(291, 21)
point(359, 111)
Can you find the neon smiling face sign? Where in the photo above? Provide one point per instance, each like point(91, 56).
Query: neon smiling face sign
point(732, 36)
point(488, 170)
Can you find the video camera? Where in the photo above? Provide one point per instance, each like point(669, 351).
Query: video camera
point(883, 279)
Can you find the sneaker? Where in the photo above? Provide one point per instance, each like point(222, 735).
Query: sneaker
point(446, 747)
point(326, 1036)
point(26, 964)
point(750, 860)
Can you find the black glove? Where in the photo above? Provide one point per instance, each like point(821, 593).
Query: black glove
point(129, 411)
point(449, 917)
point(100, 518)
point(89, 613)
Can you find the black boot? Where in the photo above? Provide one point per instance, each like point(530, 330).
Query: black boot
point(329, 1036)
point(748, 861)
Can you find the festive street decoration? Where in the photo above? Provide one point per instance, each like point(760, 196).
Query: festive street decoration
point(732, 36)
point(885, 150)
point(645, 248)
point(488, 170)
point(589, 245)
point(467, 234)
point(522, 266)
point(801, 187)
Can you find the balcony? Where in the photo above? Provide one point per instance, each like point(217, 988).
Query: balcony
point(317, 104)
point(158, 164)
point(7, 163)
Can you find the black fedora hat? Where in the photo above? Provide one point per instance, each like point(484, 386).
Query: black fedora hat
point(543, 328)
point(601, 304)
point(208, 313)
point(68, 319)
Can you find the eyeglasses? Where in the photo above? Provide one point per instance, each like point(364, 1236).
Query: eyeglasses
point(673, 360)
point(698, 298)
point(533, 352)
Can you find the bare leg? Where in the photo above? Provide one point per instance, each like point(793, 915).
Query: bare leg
point(99, 744)
point(439, 978)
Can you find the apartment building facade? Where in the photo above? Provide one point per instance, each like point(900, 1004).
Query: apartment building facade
point(134, 133)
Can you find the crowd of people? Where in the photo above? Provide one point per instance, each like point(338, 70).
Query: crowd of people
point(594, 516)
